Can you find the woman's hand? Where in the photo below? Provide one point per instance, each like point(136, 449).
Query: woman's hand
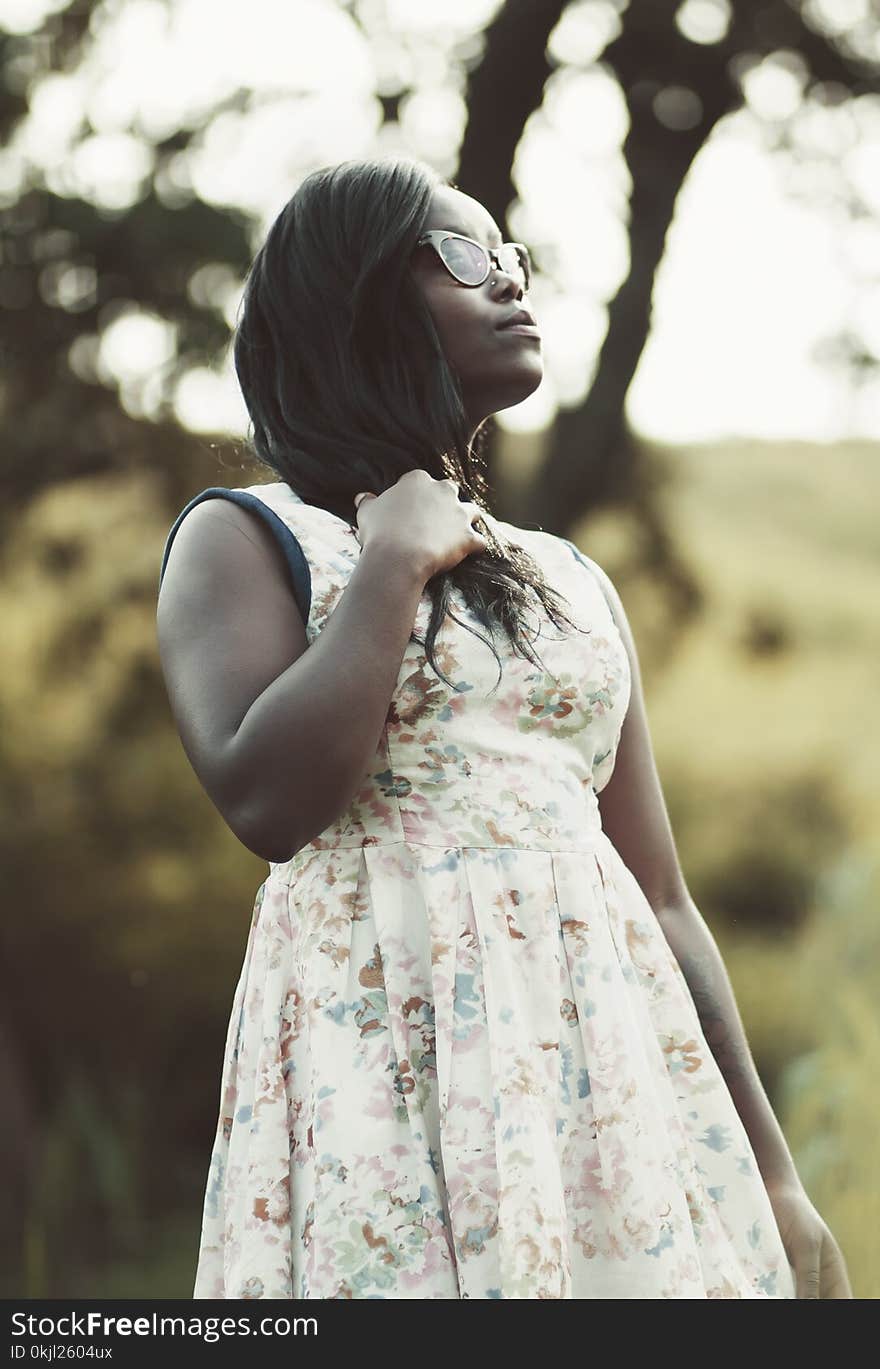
point(421, 519)
point(819, 1267)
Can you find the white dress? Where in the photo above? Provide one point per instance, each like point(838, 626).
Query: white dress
point(462, 1061)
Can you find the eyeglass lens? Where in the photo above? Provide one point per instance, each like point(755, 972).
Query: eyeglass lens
point(469, 262)
point(514, 263)
point(465, 260)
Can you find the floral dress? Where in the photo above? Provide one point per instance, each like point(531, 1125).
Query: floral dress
point(462, 1061)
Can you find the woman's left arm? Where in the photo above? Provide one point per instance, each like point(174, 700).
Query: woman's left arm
point(634, 816)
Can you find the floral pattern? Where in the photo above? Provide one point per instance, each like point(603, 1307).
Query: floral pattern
point(462, 1061)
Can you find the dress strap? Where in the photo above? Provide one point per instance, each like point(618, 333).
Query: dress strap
point(294, 556)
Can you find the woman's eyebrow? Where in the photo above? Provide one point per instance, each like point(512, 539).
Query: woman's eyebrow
point(493, 238)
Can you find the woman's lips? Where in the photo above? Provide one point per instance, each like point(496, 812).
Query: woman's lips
point(520, 321)
point(517, 316)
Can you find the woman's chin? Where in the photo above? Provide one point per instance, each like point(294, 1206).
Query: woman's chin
point(507, 394)
point(528, 382)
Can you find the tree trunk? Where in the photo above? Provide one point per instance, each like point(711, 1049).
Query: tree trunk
point(502, 91)
point(591, 459)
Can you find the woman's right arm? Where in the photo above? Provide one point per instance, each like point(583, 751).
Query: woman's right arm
point(280, 732)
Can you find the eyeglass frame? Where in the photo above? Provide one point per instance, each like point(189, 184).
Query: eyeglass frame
point(438, 235)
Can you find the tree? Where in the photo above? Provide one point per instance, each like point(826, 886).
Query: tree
point(677, 89)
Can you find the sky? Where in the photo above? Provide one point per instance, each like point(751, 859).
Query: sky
point(762, 260)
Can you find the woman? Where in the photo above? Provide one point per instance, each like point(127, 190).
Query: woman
point(467, 1056)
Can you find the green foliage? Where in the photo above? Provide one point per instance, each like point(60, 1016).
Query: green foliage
point(821, 992)
point(755, 855)
point(129, 899)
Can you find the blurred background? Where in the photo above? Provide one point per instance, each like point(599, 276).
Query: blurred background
point(700, 185)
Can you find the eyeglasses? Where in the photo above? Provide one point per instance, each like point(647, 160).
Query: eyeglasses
point(471, 263)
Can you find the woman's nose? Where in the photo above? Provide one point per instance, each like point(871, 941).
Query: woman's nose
point(503, 286)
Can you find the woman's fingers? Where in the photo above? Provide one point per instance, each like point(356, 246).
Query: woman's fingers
point(807, 1269)
point(835, 1279)
point(820, 1270)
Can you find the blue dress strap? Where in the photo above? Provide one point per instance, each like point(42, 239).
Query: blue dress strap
point(294, 556)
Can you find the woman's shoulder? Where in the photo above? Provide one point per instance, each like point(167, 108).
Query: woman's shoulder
point(561, 559)
point(267, 514)
point(542, 545)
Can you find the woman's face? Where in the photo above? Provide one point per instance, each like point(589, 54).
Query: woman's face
point(496, 367)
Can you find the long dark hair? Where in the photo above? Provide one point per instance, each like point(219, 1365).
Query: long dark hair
point(347, 385)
